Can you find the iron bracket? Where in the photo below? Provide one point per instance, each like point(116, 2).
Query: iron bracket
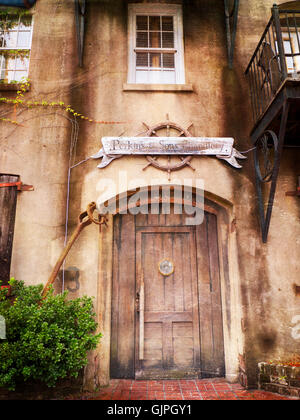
point(20, 186)
point(265, 216)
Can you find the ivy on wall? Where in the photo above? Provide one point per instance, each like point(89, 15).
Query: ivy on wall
point(21, 101)
point(13, 11)
point(16, 53)
point(8, 18)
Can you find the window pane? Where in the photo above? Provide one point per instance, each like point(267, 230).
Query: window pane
point(167, 23)
point(9, 76)
point(168, 40)
point(20, 75)
point(10, 39)
point(155, 60)
point(168, 77)
point(142, 39)
point(23, 39)
point(2, 67)
point(154, 77)
point(11, 23)
point(142, 76)
point(154, 23)
point(15, 33)
point(157, 33)
point(21, 63)
point(169, 61)
point(142, 23)
point(142, 59)
point(10, 63)
point(155, 39)
point(289, 60)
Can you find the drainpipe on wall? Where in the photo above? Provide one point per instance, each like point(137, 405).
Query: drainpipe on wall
point(231, 28)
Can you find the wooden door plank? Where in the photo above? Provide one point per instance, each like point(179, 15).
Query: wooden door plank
point(167, 344)
point(123, 302)
point(187, 272)
point(168, 253)
point(141, 320)
point(205, 310)
point(195, 305)
point(148, 245)
point(178, 261)
point(153, 219)
point(141, 219)
point(115, 300)
point(217, 321)
point(148, 258)
point(169, 316)
point(164, 229)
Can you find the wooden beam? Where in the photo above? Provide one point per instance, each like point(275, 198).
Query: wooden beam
point(8, 203)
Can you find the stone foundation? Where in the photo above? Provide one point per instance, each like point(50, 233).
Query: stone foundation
point(281, 379)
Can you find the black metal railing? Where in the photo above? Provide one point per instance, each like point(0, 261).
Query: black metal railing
point(276, 58)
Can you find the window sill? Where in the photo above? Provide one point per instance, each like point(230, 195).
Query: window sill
point(129, 87)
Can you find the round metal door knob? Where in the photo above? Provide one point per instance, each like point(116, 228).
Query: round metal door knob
point(166, 267)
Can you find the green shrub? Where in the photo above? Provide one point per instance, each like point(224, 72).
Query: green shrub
point(47, 340)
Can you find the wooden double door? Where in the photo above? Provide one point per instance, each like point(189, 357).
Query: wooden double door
point(166, 300)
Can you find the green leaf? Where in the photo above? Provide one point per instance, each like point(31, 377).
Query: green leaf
point(47, 341)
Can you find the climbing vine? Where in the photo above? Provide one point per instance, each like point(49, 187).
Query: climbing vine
point(20, 100)
point(20, 53)
point(10, 17)
point(13, 12)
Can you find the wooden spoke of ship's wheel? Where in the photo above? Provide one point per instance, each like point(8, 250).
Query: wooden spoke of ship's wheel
point(168, 166)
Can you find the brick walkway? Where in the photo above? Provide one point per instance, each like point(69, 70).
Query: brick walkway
point(204, 389)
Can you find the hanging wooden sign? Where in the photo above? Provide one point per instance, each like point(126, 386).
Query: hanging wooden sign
point(116, 147)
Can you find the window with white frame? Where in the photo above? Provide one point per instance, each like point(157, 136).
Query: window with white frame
point(291, 49)
point(15, 45)
point(291, 45)
point(155, 34)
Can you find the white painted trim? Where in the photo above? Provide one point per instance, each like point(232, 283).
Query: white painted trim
point(28, 48)
point(135, 87)
point(156, 9)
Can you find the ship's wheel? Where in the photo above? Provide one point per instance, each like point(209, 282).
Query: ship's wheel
point(169, 163)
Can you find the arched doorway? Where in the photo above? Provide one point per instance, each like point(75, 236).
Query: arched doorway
point(290, 5)
point(166, 297)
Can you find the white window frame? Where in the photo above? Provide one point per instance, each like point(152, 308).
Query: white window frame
point(156, 10)
point(292, 63)
point(28, 48)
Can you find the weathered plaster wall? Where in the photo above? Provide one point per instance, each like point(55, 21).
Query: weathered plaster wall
point(270, 270)
point(261, 279)
point(218, 106)
point(38, 149)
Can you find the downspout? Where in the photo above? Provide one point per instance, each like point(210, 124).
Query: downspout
point(231, 31)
